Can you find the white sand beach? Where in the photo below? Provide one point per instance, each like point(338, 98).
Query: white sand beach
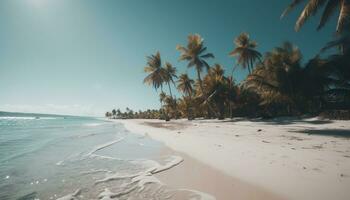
point(294, 159)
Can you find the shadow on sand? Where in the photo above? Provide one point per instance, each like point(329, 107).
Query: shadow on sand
point(326, 132)
point(275, 121)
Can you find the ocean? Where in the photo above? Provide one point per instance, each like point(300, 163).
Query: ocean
point(64, 157)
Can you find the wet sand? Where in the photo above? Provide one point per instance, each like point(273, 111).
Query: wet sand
point(194, 175)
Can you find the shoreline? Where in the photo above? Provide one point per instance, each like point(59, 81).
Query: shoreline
point(281, 157)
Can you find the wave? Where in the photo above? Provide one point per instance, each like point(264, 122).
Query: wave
point(156, 168)
point(106, 157)
point(197, 194)
point(95, 171)
point(139, 181)
point(93, 124)
point(71, 196)
point(15, 118)
point(172, 162)
point(104, 146)
point(135, 184)
point(26, 118)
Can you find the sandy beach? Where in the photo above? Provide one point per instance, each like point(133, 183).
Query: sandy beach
point(254, 159)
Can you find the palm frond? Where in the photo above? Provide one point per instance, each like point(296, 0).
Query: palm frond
point(344, 16)
point(208, 55)
point(291, 7)
point(327, 13)
point(310, 9)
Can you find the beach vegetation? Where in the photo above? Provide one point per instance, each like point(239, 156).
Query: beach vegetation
point(279, 82)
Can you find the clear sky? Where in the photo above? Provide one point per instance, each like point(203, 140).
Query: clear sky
point(87, 56)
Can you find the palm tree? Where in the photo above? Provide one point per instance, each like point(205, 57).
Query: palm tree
point(118, 112)
point(170, 74)
point(114, 112)
point(185, 86)
point(108, 114)
point(195, 54)
point(232, 93)
point(156, 74)
point(162, 97)
point(331, 6)
point(278, 79)
point(220, 89)
point(245, 52)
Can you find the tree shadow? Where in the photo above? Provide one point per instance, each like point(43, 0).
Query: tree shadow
point(326, 132)
point(274, 121)
point(288, 121)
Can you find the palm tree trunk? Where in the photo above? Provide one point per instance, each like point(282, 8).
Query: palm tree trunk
point(204, 93)
point(233, 69)
point(161, 104)
point(171, 94)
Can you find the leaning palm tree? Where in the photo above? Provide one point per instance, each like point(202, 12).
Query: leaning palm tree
point(331, 6)
point(185, 86)
point(156, 74)
point(245, 52)
point(170, 74)
point(195, 54)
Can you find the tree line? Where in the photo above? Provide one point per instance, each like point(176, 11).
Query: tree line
point(278, 84)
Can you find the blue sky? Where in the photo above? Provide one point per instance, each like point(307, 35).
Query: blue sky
point(87, 56)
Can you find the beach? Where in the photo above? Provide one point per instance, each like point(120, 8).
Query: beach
point(284, 158)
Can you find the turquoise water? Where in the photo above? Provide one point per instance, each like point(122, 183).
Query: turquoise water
point(52, 156)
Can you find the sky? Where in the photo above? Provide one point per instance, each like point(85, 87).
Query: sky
point(84, 57)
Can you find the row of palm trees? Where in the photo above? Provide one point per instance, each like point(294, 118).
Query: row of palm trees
point(277, 82)
point(130, 114)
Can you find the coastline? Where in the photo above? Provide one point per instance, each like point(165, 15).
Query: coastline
point(282, 157)
point(192, 174)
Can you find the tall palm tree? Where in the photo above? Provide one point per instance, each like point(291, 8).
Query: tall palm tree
point(156, 74)
point(278, 79)
point(170, 74)
point(195, 54)
point(330, 6)
point(245, 52)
